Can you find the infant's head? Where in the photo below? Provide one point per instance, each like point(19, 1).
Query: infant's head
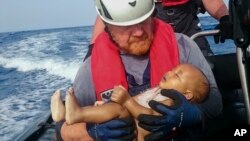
point(188, 80)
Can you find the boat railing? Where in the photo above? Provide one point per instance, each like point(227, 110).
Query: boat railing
point(204, 33)
point(243, 63)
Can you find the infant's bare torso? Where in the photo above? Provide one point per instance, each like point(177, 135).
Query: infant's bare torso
point(150, 94)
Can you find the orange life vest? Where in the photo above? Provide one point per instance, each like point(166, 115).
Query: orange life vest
point(108, 69)
point(173, 2)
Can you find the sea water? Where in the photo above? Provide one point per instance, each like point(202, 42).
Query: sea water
point(33, 64)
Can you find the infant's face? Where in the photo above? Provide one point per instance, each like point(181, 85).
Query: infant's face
point(176, 79)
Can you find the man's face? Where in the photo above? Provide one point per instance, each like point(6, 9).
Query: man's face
point(135, 39)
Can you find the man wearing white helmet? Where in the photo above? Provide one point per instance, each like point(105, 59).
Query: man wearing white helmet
point(134, 51)
point(182, 16)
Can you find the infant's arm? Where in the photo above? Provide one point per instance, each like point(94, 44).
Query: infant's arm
point(120, 95)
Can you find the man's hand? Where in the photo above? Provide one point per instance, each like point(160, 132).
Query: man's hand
point(226, 30)
point(114, 130)
point(181, 114)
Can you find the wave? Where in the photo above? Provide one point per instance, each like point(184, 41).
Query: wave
point(19, 111)
point(57, 67)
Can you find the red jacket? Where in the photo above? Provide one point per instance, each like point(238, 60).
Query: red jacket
point(173, 2)
point(107, 67)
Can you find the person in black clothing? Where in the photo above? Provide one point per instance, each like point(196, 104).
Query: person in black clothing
point(182, 15)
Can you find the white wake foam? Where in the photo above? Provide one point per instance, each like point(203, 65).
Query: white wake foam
point(57, 67)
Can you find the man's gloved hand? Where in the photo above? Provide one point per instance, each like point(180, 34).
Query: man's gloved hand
point(114, 130)
point(181, 114)
point(226, 30)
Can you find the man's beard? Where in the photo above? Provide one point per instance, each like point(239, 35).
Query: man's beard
point(138, 45)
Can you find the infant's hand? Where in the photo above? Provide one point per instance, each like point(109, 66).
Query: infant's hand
point(120, 95)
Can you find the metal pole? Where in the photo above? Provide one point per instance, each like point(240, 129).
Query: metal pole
point(244, 79)
point(242, 66)
point(205, 33)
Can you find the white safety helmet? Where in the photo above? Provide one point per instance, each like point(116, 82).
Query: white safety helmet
point(124, 12)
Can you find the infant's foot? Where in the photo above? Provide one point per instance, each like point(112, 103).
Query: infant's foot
point(72, 108)
point(56, 106)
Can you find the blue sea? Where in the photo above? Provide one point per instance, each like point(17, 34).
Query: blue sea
point(33, 64)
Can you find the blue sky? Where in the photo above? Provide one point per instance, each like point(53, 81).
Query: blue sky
point(20, 15)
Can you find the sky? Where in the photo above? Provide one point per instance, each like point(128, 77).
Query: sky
point(22, 15)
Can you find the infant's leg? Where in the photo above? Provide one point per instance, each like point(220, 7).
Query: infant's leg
point(73, 109)
point(57, 107)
